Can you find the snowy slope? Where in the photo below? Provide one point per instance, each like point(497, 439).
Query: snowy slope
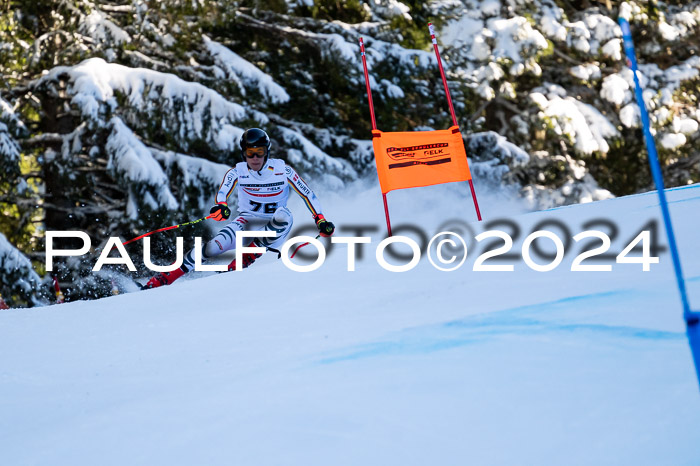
point(274, 367)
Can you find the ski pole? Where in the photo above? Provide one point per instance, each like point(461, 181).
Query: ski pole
point(301, 246)
point(167, 228)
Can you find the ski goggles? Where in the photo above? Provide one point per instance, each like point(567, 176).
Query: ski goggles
point(258, 152)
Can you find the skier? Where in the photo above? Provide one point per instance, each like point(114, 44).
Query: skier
point(263, 189)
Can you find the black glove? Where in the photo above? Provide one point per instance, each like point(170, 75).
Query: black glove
point(220, 212)
point(325, 227)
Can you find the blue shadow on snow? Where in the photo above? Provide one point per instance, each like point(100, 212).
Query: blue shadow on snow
point(522, 321)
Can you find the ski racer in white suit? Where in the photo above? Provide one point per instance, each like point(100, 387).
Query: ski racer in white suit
point(263, 186)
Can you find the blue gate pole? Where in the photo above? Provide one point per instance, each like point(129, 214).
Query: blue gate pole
point(691, 317)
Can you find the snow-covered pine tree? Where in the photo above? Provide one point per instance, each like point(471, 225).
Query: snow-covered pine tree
point(550, 77)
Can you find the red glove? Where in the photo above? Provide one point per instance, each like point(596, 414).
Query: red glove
point(220, 212)
point(325, 227)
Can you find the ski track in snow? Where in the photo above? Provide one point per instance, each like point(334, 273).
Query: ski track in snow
point(271, 367)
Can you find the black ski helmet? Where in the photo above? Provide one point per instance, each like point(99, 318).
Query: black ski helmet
point(255, 137)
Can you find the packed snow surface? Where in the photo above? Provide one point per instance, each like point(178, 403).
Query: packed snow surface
point(268, 366)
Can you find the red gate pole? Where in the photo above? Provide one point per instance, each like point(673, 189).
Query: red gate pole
point(369, 91)
point(374, 123)
point(452, 110)
point(60, 299)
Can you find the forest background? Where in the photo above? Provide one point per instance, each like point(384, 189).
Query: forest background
point(119, 117)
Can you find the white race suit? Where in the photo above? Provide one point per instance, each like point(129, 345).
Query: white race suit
point(262, 205)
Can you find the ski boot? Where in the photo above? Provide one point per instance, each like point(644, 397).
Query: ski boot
point(164, 278)
point(248, 258)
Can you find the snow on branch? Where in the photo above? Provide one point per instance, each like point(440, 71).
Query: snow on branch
point(379, 51)
point(9, 147)
point(8, 115)
point(309, 158)
point(193, 172)
point(493, 156)
point(473, 38)
point(133, 162)
point(666, 108)
point(331, 45)
point(514, 38)
point(16, 272)
point(482, 48)
point(504, 166)
point(686, 71)
point(382, 9)
point(358, 151)
point(98, 26)
point(582, 123)
point(244, 73)
point(190, 110)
